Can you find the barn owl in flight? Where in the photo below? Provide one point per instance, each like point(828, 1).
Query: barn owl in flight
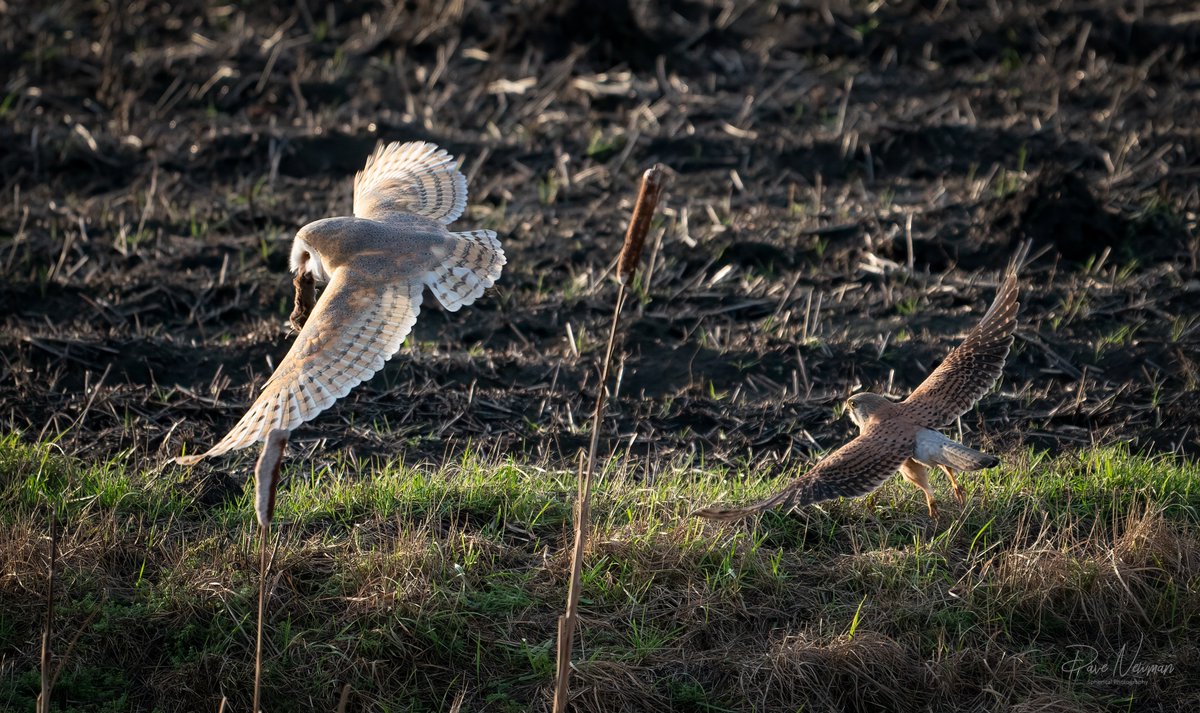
point(377, 264)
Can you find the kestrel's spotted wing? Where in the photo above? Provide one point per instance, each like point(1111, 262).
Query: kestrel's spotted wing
point(414, 177)
point(973, 368)
point(856, 468)
point(358, 324)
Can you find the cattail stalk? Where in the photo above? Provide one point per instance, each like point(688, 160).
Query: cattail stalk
point(266, 481)
point(631, 251)
point(43, 701)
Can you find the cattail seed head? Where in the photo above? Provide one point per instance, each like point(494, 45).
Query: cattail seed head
point(635, 237)
point(266, 475)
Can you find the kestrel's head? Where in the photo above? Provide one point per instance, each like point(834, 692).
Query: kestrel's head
point(305, 256)
point(862, 407)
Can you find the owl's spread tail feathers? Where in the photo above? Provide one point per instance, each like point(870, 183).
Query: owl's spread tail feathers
point(474, 265)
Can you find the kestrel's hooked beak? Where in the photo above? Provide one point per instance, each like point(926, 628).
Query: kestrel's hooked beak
point(852, 412)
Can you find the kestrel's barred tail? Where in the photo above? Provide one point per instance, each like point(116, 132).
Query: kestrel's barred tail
point(962, 457)
point(415, 177)
point(934, 448)
point(473, 265)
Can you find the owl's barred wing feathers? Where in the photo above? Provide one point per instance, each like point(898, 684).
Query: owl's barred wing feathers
point(973, 367)
point(473, 265)
point(356, 326)
point(414, 177)
point(856, 468)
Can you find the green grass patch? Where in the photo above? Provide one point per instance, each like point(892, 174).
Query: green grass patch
point(412, 583)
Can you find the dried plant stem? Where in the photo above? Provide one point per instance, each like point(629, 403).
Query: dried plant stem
point(264, 535)
point(583, 514)
point(344, 700)
point(266, 482)
point(43, 702)
point(635, 238)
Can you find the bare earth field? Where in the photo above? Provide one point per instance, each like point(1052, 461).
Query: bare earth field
point(847, 181)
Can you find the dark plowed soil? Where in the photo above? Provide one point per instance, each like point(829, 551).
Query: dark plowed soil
point(846, 185)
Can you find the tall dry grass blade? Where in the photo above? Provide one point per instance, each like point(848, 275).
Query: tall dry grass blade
point(43, 701)
point(631, 251)
point(266, 481)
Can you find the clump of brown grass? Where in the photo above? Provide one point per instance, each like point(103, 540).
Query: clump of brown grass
point(861, 671)
point(1149, 541)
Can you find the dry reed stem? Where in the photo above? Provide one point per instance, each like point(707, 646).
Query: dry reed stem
point(266, 481)
point(43, 701)
point(264, 535)
point(631, 250)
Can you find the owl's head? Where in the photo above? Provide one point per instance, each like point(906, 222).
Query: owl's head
point(862, 406)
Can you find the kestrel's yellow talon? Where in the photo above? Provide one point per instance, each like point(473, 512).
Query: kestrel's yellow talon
point(959, 493)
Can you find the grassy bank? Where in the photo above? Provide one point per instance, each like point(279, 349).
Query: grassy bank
point(413, 583)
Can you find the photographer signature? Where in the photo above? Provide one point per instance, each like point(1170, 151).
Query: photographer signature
point(1123, 667)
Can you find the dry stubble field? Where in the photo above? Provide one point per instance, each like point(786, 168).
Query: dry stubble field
point(157, 158)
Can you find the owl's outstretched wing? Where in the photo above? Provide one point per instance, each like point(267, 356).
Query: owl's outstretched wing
point(472, 265)
point(357, 325)
point(856, 468)
point(414, 177)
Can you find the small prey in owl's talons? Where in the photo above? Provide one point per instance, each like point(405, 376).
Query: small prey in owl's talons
point(375, 265)
point(306, 296)
point(901, 435)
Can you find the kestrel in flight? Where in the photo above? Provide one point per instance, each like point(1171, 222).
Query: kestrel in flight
point(901, 435)
point(377, 264)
